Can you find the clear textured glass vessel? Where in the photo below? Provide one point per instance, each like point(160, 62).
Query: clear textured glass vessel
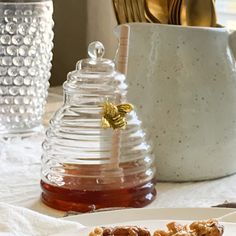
point(84, 166)
point(25, 62)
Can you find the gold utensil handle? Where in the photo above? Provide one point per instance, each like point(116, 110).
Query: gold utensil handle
point(142, 10)
point(157, 10)
point(177, 12)
point(198, 13)
point(119, 11)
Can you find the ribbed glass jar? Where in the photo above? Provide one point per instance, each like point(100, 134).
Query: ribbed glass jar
point(79, 171)
point(25, 62)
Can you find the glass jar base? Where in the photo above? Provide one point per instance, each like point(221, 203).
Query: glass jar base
point(87, 201)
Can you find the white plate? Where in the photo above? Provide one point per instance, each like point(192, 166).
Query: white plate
point(153, 218)
point(118, 216)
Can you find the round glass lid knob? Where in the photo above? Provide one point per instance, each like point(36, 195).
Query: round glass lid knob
point(96, 50)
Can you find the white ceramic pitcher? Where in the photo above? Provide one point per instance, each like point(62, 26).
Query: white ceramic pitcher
point(182, 81)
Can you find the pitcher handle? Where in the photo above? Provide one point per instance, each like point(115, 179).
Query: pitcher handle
point(232, 43)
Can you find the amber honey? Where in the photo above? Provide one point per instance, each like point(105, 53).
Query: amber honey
point(66, 199)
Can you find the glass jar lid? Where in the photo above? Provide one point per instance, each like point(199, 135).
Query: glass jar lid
point(96, 63)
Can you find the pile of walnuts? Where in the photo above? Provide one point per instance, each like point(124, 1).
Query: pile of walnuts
point(199, 228)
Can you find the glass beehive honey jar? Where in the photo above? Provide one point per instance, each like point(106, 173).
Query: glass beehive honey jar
point(95, 154)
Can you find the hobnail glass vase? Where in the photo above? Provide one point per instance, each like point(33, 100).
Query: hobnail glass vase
point(25, 62)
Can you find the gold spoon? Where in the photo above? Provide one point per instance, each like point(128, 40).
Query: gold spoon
point(129, 11)
point(170, 19)
point(138, 7)
point(119, 11)
point(174, 11)
point(178, 12)
point(197, 13)
point(214, 17)
point(148, 14)
point(135, 10)
point(158, 9)
point(168, 4)
point(125, 10)
point(141, 6)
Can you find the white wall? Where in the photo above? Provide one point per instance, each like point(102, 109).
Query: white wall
point(69, 41)
point(226, 11)
point(100, 23)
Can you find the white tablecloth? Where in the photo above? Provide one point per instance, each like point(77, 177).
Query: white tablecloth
point(20, 177)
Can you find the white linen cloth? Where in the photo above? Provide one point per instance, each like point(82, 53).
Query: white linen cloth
point(18, 221)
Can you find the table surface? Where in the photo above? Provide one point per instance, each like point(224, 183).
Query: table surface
point(21, 163)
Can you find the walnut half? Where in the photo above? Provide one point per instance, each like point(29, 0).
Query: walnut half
point(207, 228)
point(120, 231)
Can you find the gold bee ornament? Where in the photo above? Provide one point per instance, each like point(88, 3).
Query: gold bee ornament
point(113, 116)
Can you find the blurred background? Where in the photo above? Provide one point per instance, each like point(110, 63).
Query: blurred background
point(78, 22)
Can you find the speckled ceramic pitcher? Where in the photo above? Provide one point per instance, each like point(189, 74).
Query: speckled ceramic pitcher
point(183, 83)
